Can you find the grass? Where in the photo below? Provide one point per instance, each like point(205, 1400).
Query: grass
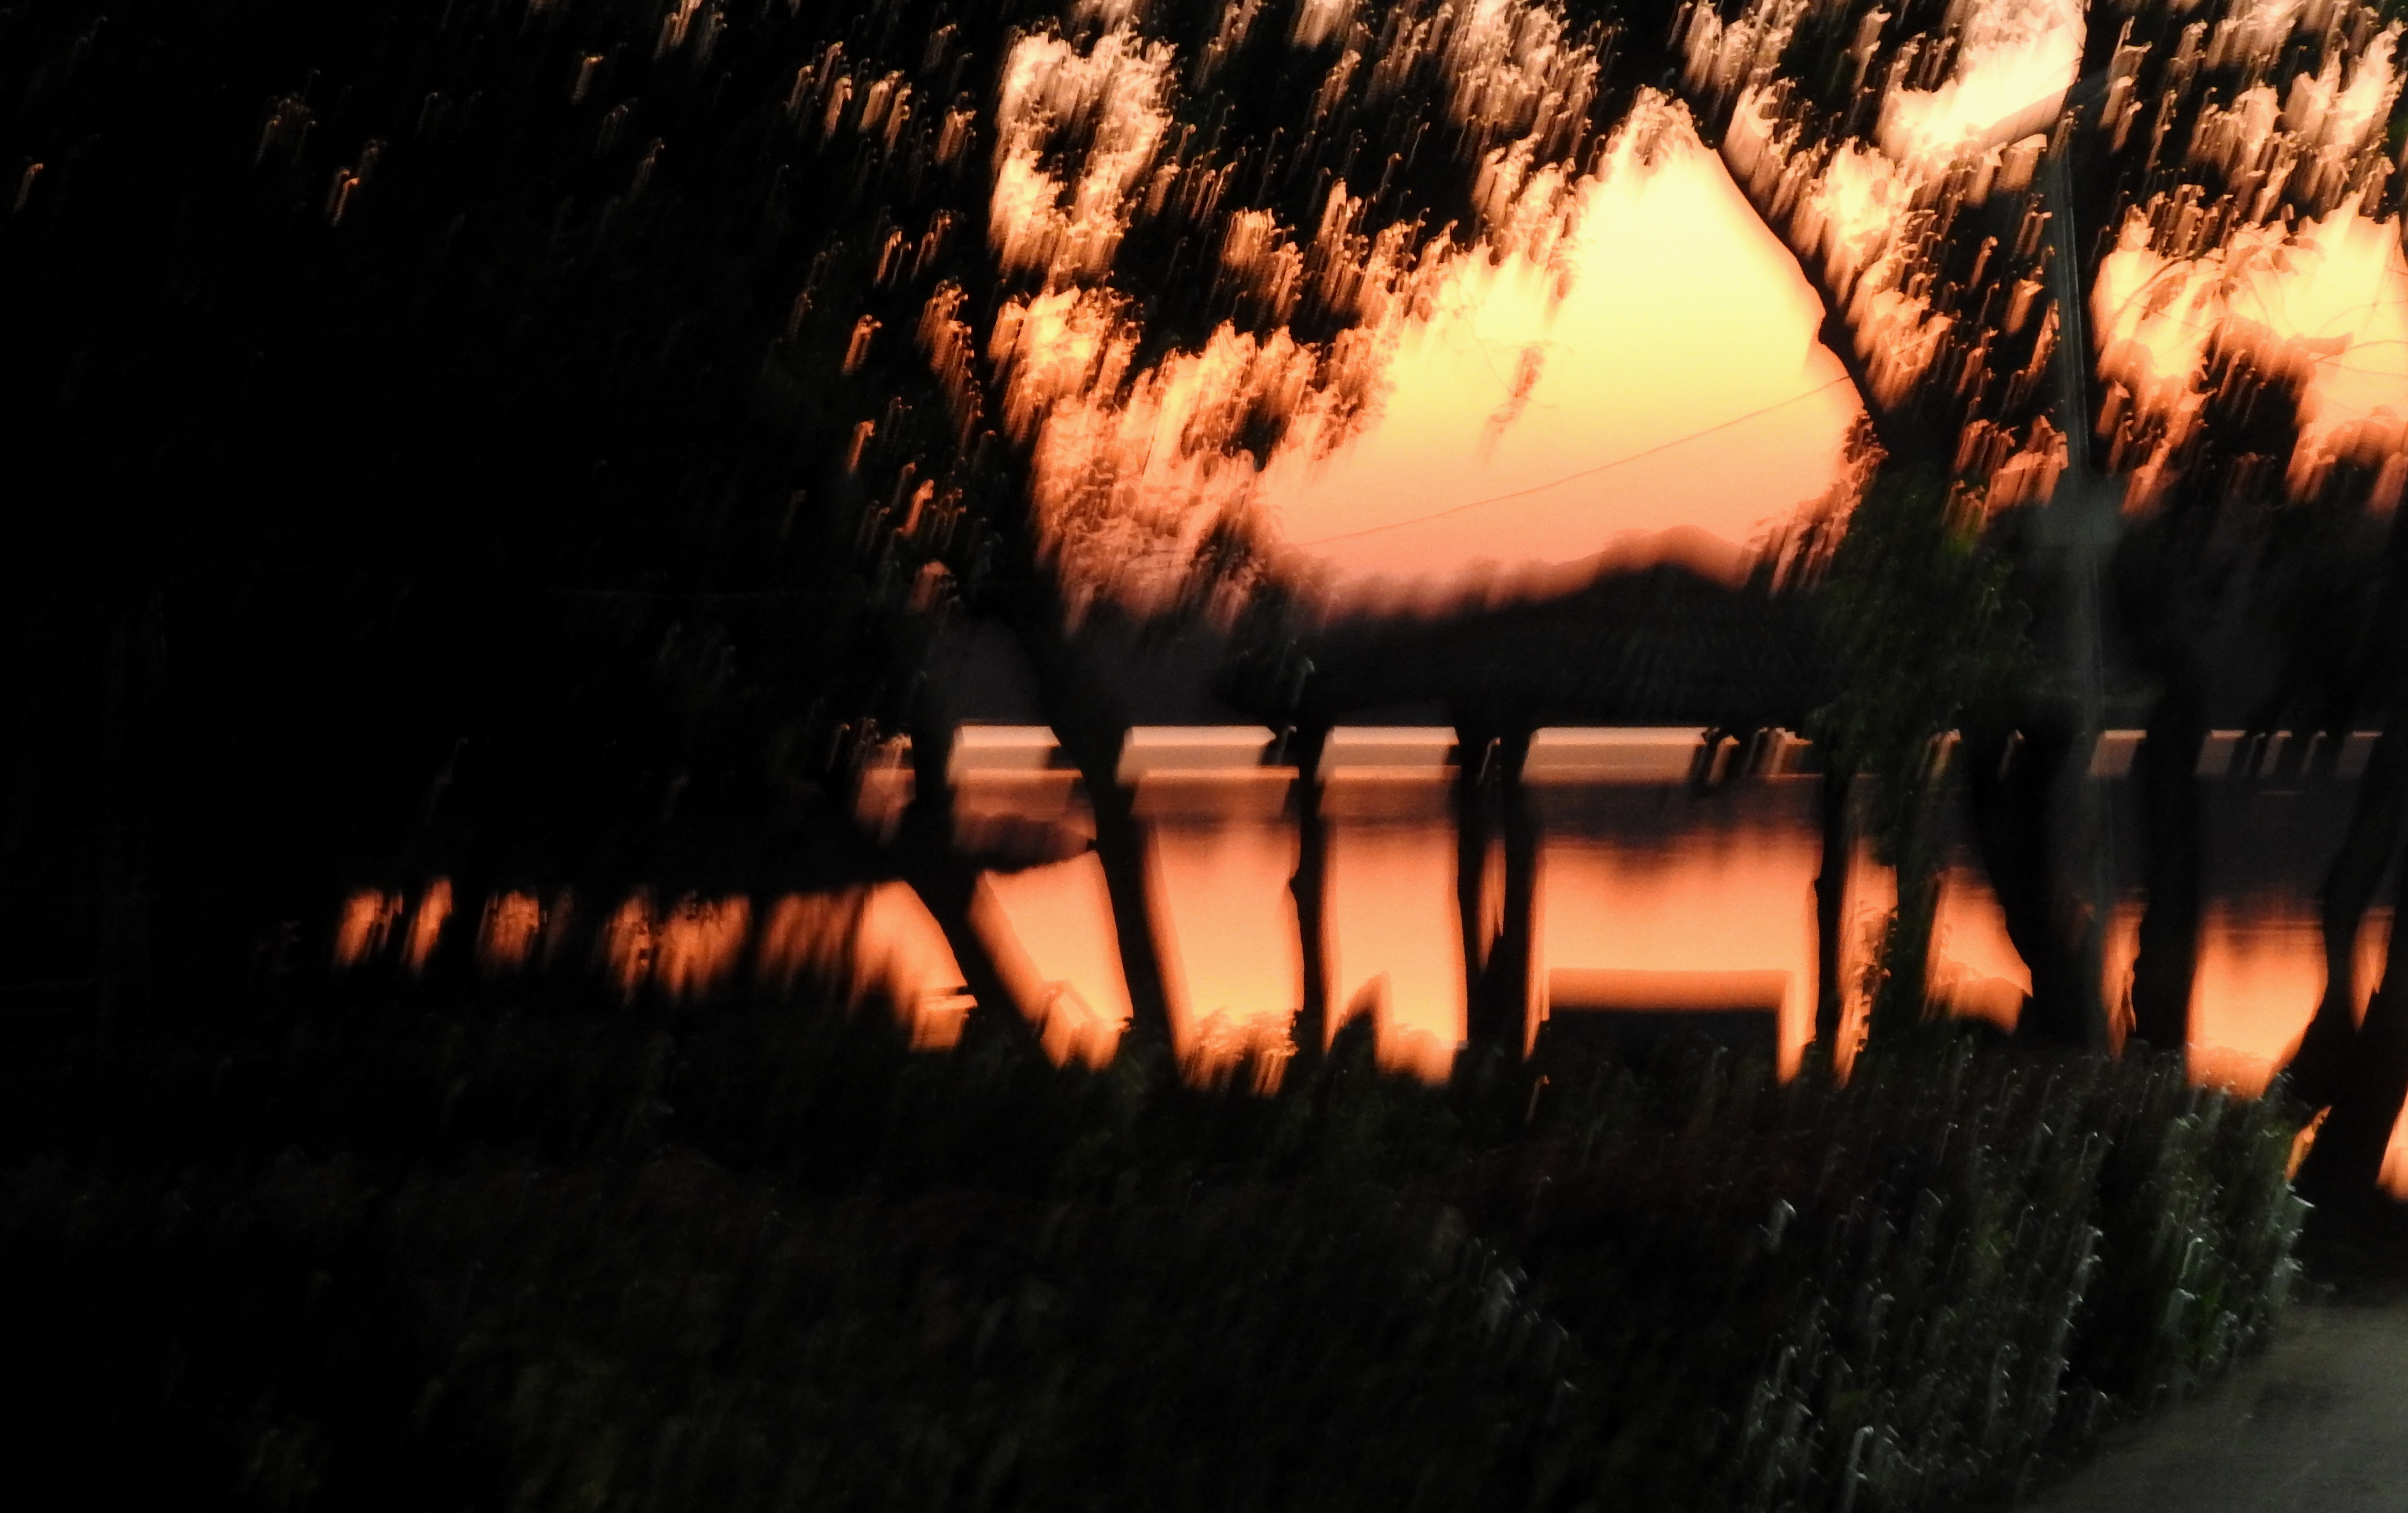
point(391, 1253)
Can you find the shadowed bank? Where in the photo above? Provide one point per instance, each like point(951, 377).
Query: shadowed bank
point(377, 1251)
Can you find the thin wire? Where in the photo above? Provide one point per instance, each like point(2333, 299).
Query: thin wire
point(1584, 473)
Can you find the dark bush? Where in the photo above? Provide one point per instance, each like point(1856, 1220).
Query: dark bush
point(759, 1255)
point(1906, 1291)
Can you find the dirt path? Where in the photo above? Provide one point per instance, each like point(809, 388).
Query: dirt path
point(2319, 1424)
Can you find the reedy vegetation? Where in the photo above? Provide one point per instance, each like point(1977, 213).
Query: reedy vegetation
point(764, 1256)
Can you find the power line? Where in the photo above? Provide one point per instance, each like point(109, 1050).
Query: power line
point(1584, 473)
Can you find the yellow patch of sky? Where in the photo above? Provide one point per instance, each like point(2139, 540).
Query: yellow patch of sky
point(1674, 383)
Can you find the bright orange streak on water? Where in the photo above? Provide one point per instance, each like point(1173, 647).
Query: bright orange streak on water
point(368, 917)
point(1975, 968)
point(507, 934)
point(1224, 921)
point(627, 943)
point(1681, 312)
point(2261, 977)
point(806, 935)
point(2118, 951)
point(1718, 901)
point(426, 925)
point(880, 939)
point(883, 939)
point(700, 944)
point(2261, 974)
point(1052, 931)
point(1396, 940)
point(900, 949)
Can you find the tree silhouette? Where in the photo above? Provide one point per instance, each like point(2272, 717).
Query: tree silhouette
point(1145, 205)
point(429, 489)
point(1919, 628)
point(2168, 151)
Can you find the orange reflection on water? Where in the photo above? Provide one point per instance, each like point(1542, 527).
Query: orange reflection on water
point(1395, 939)
point(507, 935)
point(1866, 905)
point(2119, 950)
point(1730, 902)
point(807, 935)
point(900, 949)
point(2261, 971)
point(700, 943)
point(2261, 974)
point(426, 925)
point(368, 918)
point(1225, 921)
point(1975, 969)
point(881, 938)
point(878, 940)
point(1051, 930)
point(627, 943)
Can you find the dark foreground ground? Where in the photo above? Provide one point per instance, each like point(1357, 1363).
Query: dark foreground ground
point(2319, 1422)
point(362, 1250)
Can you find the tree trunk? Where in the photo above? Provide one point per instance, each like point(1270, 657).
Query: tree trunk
point(2361, 1073)
point(2346, 1160)
point(1310, 889)
point(2010, 785)
point(1831, 903)
point(1088, 721)
point(113, 932)
point(948, 882)
point(1509, 963)
point(2171, 818)
point(1472, 829)
point(2319, 1070)
point(1905, 995)
point(1120, 845)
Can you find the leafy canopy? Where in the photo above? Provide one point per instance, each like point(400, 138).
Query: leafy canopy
point(1919, 624)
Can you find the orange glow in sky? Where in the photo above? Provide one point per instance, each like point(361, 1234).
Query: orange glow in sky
point(2332, 298)
point(2013, 55)
point(1658, 371)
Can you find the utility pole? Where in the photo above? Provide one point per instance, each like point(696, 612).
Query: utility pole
point(2081, 523)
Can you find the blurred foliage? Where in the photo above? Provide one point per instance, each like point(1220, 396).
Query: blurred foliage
point(558, 1256)
point(1917, 616)
point(1918, 626)
point(467, 437)
point(1929, 1277)
point(407, 422)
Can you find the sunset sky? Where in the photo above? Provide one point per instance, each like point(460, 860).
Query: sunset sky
point(1679, 385)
